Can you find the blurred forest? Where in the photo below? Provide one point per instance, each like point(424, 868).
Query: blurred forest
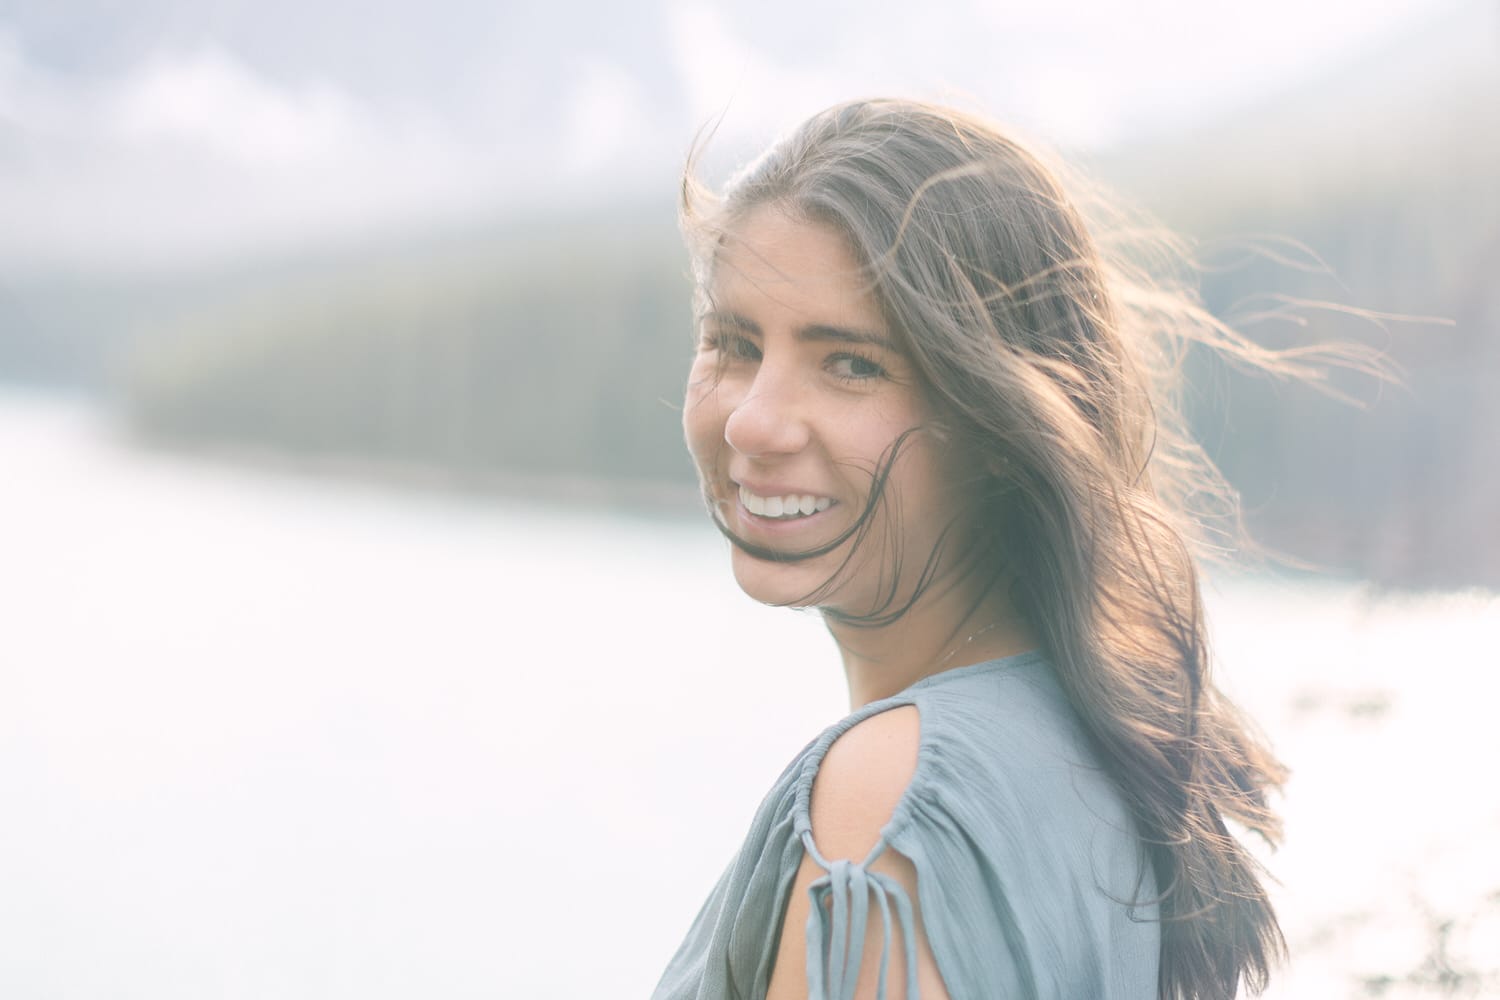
point(546, 354)
point(542, 357)
point(1378, 191)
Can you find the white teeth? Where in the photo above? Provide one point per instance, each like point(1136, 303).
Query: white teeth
point(792, 505)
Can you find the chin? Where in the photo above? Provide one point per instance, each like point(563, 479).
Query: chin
point(783, 584)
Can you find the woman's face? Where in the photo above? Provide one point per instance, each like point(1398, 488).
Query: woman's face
point(798, 392)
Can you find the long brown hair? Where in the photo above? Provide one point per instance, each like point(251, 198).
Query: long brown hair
point(1051, 357)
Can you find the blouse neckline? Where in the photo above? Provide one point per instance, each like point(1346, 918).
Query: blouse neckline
point(1027, 658)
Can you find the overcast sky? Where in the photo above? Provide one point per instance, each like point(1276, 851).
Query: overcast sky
point(170, 130)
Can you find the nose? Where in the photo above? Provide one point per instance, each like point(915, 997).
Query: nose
point(770, 418)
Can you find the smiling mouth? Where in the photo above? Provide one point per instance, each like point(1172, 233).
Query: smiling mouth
point(784, 508)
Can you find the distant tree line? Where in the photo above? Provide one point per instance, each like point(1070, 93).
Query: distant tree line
point(552, 356)
point(1405, 488)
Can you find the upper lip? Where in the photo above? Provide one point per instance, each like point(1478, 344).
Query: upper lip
point(778, 489)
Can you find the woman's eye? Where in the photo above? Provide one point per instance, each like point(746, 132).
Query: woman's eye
point(855, 368)
point(743, 348)
point(732, 346)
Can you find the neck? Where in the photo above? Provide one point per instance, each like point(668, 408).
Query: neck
point(940, 632)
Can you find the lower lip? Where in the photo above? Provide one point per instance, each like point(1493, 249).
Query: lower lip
point(776, 526)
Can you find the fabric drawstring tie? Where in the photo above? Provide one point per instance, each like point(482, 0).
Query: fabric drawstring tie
point(836, 930)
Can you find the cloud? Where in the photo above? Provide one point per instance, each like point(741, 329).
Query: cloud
point(195, 153)
point(207, 100)
point(724, 75)
point(606, 115)
point(171, 151)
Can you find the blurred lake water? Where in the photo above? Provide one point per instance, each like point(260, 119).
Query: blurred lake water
point(269, 736)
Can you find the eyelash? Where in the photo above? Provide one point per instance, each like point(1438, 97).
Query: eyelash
point(879, 371)
point(744, 349)
point(738, 346)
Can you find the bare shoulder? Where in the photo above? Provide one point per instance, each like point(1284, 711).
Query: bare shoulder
point(861, 780)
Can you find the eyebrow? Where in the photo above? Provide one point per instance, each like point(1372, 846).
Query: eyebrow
point(814, 332)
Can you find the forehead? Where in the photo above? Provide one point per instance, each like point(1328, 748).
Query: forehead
point(789, 268)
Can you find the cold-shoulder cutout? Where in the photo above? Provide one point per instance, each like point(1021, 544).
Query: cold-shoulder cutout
point(852, 893)
point(860, 781)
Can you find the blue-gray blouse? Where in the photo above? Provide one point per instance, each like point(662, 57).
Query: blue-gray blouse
point(1031, 878)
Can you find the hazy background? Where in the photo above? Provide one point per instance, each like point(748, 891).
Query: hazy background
point(359, 602)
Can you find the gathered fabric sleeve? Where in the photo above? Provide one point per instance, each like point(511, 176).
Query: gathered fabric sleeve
point(1032, 880)
point(1027, 869)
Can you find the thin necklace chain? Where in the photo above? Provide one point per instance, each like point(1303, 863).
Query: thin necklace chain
point(971, 637)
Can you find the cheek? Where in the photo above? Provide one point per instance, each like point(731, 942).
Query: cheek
point(703, 423)
point(925, 492)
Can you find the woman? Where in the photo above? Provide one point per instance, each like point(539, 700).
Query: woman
point(924, 402)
